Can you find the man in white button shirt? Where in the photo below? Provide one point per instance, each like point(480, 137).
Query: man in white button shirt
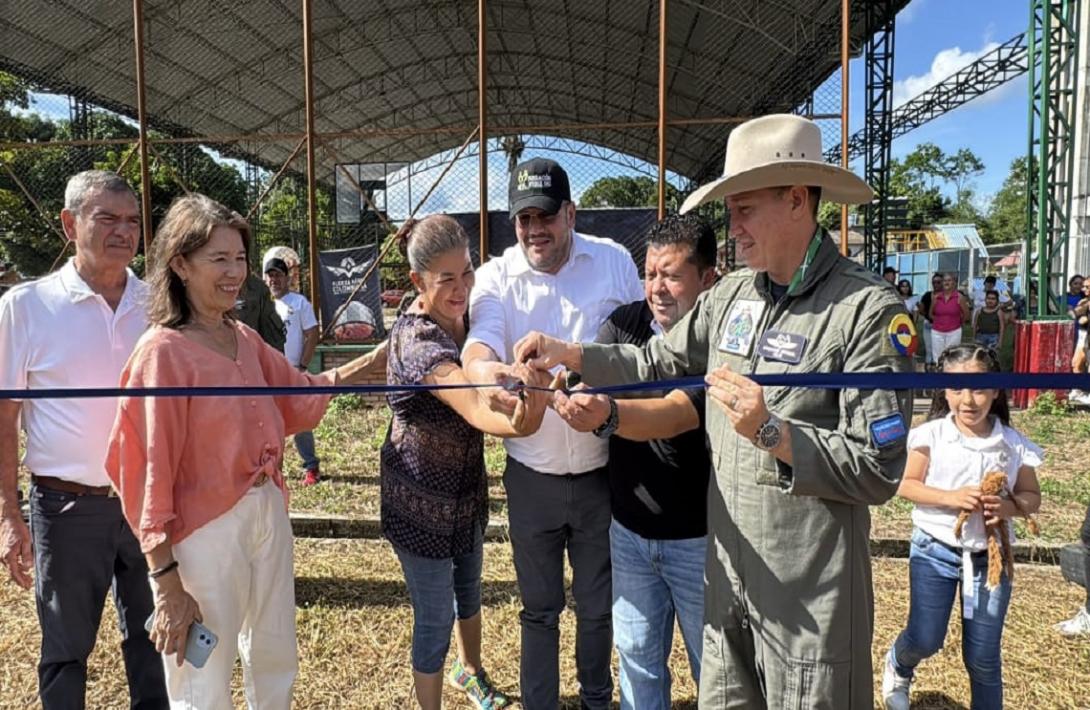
point(75, 328)
point(565, 284)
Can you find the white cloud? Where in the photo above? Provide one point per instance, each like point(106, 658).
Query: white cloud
point(946, 62)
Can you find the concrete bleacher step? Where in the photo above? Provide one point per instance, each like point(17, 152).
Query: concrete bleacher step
point(332, 526)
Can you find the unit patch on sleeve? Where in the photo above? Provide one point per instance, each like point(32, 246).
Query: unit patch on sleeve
point(902, 336)
point(888, 430)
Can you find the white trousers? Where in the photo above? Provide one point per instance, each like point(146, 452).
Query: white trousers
point(940, 341)
point(239, 569)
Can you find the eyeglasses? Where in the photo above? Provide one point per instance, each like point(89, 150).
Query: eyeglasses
point(524, 221)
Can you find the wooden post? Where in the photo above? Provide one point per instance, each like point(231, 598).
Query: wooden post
point(662, 110)
point(312, 203)
point(845, 35)
point(482, 108)
point(142, 119)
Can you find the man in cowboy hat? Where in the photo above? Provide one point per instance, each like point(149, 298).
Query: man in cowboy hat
point(788, 598)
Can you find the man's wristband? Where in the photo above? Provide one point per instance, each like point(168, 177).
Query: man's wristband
point(611, 423)
point(165, 569)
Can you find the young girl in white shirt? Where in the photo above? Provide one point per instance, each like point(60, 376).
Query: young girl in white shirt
point(967, 434)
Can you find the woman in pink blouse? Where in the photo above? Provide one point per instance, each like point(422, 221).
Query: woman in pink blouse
point(949, 309)
point(199, 477)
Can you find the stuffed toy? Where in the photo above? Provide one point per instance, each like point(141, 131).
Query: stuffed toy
point(1000, 556)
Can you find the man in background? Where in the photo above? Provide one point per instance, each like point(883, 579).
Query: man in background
point(300, 340)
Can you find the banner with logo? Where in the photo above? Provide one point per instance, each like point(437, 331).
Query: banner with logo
point(341, 271)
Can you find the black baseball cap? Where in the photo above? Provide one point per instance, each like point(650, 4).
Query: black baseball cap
point(276, 264)
point(540, 183)
point(889, 270)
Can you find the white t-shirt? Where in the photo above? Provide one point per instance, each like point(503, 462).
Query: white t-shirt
point(298, 316)
point(956, 460)
point(510, 299)
point(56, 332)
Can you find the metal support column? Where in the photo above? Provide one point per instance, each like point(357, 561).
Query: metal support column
point(845, 37)
point(877, 127)
point(312, 188)
point(1053, 78)
point(142, 118)
point(482, 107)
point(662, 111)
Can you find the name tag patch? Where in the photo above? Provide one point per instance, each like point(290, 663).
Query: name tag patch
point(781, 347)
point(742, 321)
point(888, 431)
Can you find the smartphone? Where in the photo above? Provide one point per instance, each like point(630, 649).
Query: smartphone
point(198, 644)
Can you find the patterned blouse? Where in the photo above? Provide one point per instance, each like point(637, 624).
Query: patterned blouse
point(434, 487)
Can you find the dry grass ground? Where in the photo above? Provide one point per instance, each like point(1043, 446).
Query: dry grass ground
point(354, 624)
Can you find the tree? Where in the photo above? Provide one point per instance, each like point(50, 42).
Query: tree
point(909, 178)
point(960, 168)
point(513, 147)
point(28, 239)
point(1007, 213)
point(625, 191)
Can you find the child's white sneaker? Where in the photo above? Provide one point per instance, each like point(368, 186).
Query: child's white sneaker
point(895, 689)
point(1078, 625)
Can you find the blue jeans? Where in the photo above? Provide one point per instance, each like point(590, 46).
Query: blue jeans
point(652, 581)
point(440, 589)
point(988, 340)
point(934, 577)
point(304, 444)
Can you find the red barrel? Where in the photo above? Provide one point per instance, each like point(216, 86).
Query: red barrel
point(1041, 346)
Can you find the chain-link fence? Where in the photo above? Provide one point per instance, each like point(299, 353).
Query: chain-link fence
point(396, 110)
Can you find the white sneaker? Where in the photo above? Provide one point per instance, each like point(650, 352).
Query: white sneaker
point(894, 688)
point(1075, 394)
point(1078, 625)
point(1083, 399)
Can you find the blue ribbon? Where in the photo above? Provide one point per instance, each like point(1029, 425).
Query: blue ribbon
point(815, 380)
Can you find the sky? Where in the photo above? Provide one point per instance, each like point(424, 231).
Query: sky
point(934, 38)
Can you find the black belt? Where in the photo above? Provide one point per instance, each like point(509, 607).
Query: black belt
point(63, 486)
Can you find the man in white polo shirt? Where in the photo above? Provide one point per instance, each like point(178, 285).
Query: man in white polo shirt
point(300, 341)
point(566, 284)
point(75, 328)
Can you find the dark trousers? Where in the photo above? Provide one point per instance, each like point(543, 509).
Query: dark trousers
point(548, 514)
point(82, 548)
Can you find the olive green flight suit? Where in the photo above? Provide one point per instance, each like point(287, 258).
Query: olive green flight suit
point(788, 599)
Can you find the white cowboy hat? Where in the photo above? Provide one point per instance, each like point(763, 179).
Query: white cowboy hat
point(776, 151)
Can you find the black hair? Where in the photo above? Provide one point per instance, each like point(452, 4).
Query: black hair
point(992, 292)
point(1072, 279)
point(989, 277)
point(889, 270)
point(689, 230)
point(958, 354)
point(905, 282)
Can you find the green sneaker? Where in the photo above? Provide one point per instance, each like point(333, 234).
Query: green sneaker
point(478, 687)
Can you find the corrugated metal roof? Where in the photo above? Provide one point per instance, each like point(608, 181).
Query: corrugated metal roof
point(963, 236)
point(227, 68)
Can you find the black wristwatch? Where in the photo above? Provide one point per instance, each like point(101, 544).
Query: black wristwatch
point(769, 434)
point(610, 424)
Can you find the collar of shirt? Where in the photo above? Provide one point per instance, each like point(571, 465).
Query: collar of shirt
point(821, 255)
point(950, 433)
point(78, 290)
point(520, 265)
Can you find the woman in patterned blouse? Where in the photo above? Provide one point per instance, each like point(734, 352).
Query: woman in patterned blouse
point(434, 483)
